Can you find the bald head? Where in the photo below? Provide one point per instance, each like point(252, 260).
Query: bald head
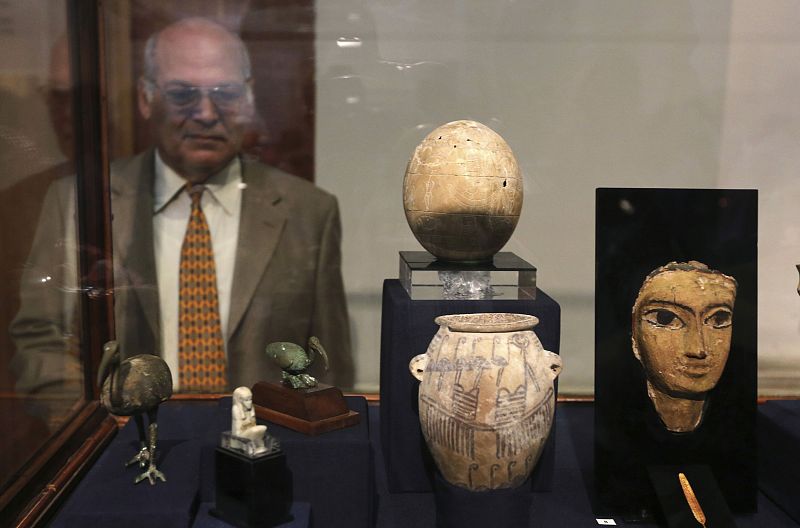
point(195, 31)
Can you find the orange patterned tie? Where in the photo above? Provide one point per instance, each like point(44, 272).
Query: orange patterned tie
point(201, 349)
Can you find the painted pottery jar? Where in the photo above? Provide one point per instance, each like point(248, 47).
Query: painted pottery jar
point(486, 400)
point(462, 192)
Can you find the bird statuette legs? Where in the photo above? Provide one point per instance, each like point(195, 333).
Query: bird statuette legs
point(143, 456)
point(299, 381)
point(152, 473)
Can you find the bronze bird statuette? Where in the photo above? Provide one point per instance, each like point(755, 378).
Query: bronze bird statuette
point(133, 387)
point(293, 361)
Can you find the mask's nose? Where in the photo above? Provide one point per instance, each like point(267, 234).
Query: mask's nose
point(696, 344)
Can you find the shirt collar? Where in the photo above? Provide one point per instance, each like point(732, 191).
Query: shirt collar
point(223, 186)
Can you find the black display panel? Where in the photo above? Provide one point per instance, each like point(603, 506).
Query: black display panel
point(637, 231)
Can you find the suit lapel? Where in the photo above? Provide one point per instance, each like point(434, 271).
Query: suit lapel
point(260, 226)
point(132, 206)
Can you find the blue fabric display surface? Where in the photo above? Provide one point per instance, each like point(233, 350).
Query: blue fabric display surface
point(407, 328)
point(107, 496)
point(332, 472)
point(300, 513)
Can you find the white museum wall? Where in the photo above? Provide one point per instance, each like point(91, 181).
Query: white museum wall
point(587, 94)
point(760, 138)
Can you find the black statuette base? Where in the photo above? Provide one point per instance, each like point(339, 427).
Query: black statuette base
point(252, 493)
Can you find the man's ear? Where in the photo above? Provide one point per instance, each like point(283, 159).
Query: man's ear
point(250, 100)
point(250, 103)
point(144, 98)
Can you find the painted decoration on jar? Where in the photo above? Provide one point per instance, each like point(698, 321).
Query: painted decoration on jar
point(486, 400)
point(462, 192)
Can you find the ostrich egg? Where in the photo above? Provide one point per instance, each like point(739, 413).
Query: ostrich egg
point(462, 192)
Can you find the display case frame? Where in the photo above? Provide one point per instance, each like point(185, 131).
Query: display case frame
point(37, 492)
point(32, 497)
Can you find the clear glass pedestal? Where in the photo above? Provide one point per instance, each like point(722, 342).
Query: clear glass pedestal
point(506, 276)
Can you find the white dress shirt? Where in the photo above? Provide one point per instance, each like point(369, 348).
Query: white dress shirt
point(221, 203)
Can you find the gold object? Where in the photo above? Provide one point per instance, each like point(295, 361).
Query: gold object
point(694, 505)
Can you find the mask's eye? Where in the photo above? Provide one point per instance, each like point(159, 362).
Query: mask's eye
point(664, 318)
point(721, 318)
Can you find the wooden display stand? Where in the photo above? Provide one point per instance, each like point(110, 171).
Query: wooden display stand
point(310, 411)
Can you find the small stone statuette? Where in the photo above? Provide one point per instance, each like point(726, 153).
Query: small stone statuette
point(682, 326)
point(245, 435)
point(293, 361)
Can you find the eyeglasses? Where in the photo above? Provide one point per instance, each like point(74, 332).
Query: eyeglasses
point(184, 96)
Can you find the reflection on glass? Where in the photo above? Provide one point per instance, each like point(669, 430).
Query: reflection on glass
point(217, 254)
point(40, 371)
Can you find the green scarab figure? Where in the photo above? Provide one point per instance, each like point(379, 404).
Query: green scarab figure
point(293, 361)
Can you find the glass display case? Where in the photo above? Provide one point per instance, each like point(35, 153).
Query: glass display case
point(299, 131)
point(52, 128)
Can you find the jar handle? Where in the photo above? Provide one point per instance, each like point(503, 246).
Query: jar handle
point(555, 364)
point(417, 365)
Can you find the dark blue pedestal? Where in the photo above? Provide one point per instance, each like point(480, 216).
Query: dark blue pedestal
point(461, 508)
point(299, 517)
point(407, 328)
point(779, 465)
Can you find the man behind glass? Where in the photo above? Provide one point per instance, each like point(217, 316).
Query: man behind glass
point(276, 238)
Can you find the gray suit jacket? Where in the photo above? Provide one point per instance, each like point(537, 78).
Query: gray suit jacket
point(287, 282)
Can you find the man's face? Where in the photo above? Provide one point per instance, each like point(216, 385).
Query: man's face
point(682, 326)
point(200, 105)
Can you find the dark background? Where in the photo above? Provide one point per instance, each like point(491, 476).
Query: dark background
point(638, 230)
